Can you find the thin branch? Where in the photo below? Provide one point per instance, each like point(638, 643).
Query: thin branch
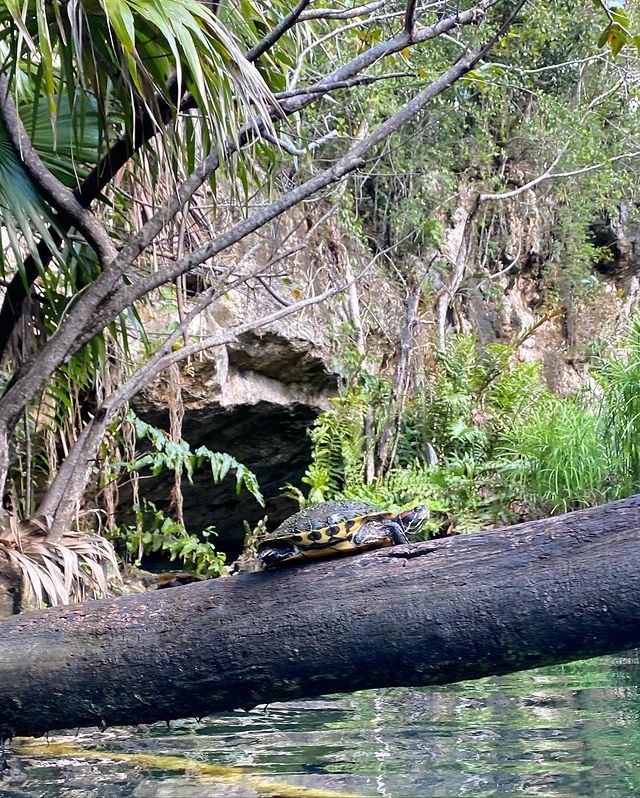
point(332, 35)
point(280, 29)
point(341, 13)
point(502, 272)
point(410, 17)
point(278, 297)
point(546, 175)
point(549, 174)
point(550, 67)
point(517, 343)
point(342, 84)
point(389, 47)
point(299, 152)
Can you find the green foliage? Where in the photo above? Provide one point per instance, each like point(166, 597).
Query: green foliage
point(507, 446)
point(470, 399)
point(618, 32)
point(124, 52)
point(177, 456)
point(338, 446)
point(584, 449)
point(560, 454)
point(618, 376)
point(548, 92)
point(154, 532)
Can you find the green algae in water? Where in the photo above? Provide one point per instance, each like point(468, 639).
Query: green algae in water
point(572, 731)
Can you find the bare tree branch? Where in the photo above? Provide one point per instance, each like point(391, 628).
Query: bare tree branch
point(288, 146)
point(410, 16)
point(342, 84)
point(280, 29)
point(549, 174)
point(342, 13)
point(390, 46)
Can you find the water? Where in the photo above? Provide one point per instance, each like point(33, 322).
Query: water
point(567, 731)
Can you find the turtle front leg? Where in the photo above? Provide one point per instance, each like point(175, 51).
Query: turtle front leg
point(395, 532)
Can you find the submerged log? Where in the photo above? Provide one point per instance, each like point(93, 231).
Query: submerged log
point(533, 594)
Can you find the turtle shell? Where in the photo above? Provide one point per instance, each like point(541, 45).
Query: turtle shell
point(327, 531)
point(321, 515)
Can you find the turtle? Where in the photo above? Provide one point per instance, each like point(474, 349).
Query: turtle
point(331, 528)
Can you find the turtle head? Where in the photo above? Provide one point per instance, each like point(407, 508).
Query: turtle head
point(414, 519)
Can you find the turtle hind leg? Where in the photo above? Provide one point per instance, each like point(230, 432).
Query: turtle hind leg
point(271, 556)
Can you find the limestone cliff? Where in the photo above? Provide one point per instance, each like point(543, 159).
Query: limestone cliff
point(256, 396)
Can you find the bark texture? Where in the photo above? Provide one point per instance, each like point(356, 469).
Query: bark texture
point(430, 613)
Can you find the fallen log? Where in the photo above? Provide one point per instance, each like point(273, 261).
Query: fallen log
point(533, 594)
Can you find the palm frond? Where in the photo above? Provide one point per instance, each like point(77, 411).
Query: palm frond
point(128, 53)
point(75, 568)
point(23, 213)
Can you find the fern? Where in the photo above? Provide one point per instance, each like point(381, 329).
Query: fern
point(154, 531)
point(471, 397)
point(177, 456)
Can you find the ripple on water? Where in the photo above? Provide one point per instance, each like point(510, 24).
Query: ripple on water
point(567, 732)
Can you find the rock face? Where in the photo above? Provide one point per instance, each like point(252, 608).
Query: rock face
point(254, 400)
point(256, 397)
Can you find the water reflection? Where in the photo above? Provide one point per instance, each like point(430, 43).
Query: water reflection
point(571, 731)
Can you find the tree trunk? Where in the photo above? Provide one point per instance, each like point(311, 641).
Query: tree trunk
point(429, 613)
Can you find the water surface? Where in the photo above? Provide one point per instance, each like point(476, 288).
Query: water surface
point(572, 730)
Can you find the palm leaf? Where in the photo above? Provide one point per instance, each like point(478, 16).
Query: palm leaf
point(21, 208)
point(73, 569)
point(124, 52)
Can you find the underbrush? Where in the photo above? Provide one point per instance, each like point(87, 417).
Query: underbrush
point(483, 441)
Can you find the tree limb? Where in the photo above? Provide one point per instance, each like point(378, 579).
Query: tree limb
point(549, 174)
point(365, 80)
point(342, 13)
point(410, 16)
point(280, 29)
point(535, 594)
point(84, 314)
